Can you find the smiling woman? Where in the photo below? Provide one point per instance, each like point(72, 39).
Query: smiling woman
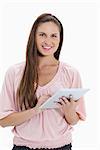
point(47, 38)
point(29, 84)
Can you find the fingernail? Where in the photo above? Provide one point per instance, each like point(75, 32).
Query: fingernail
point(70, 96)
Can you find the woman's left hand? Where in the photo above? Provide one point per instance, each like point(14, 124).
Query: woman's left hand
point(68, 105)
point(69, 108)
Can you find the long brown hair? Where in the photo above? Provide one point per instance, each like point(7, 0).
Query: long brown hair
point(26, 92)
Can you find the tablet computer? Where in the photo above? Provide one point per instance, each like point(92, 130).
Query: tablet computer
point(75, 92)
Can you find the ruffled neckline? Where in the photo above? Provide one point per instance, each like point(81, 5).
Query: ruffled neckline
point(52, 81)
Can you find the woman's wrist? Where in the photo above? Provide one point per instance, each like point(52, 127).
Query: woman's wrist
point(72, 117)
point(37, 109)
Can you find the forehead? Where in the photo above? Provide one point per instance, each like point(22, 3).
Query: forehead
point(49, 27)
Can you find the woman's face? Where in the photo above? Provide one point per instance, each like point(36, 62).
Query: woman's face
point(47, 38)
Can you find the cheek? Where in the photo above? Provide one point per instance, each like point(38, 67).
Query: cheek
point(38, 42)
point(57, 42)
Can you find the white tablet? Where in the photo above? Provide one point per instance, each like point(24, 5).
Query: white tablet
point(75, 92)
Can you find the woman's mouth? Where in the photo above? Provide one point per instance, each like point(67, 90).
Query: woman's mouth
point(46, 48)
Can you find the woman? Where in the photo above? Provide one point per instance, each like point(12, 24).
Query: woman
point(29, 84)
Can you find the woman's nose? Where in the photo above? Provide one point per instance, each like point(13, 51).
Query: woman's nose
point(48, 41)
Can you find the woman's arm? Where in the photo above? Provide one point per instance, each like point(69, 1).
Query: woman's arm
point(72, 117)
point(18, 118)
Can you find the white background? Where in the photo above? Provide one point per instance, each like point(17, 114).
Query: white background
point(81, 22)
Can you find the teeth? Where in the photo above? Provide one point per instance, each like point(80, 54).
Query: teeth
point(46, 47)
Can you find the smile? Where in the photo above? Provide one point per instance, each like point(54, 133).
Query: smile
point(46, 47)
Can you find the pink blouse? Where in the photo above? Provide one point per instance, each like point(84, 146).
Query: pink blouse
point(48, 129)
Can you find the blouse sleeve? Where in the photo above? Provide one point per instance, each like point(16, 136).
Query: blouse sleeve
point(7, 98)
point(76, 83)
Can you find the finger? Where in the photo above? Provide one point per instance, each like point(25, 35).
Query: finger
point(72, 101)
point(64, 101)
point(58, 104)
point(70, 97)
point(77, 102)
point(48, 95)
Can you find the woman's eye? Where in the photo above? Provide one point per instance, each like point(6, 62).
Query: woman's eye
point(42, 34)
point(54, 35)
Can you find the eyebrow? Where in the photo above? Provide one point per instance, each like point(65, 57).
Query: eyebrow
point(45, 33)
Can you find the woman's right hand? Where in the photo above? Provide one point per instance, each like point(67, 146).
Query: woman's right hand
point(41, 100)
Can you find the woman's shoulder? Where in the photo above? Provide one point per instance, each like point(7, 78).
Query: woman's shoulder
point(16, 68)
point(70, 73)
point(67, 68)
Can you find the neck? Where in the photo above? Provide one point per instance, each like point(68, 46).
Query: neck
point(46, 61)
